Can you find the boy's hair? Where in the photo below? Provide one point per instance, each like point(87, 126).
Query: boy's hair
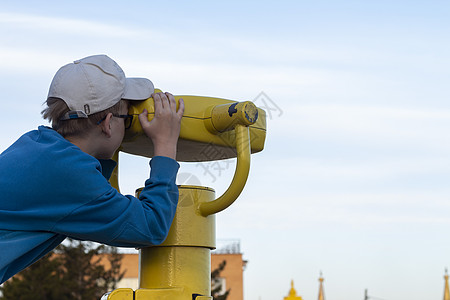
point(57, 108)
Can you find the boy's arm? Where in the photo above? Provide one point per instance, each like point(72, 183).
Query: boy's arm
point(114, 219)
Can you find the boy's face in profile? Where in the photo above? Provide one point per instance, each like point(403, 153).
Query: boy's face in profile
point(117, 128)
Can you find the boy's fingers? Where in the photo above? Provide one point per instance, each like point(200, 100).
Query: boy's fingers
point(158, 103)
point(164, 100)
point(180, 111)
point(172, 101)
point(143, 117)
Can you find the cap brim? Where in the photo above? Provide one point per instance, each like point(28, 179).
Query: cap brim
point(138, 89)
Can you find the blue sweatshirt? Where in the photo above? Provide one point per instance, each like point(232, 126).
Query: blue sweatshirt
point(50, 190)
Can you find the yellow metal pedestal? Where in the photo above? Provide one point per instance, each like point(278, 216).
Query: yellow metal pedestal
point(183, 261)
point(180, 268)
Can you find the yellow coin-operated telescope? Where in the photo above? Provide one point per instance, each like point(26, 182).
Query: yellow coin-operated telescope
point(180, 268)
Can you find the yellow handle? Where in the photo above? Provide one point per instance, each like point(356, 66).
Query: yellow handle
point(224, 117)
point(239, 178)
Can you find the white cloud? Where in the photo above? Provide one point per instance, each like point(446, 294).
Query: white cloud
point(46, 25)
point(381, 125)
point(367, 170)
point(353, 209)
point(19, 60)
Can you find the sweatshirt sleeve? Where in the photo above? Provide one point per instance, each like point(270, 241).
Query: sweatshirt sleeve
point(127, 221)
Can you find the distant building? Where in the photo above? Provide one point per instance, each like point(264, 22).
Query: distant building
point(130, 264)
point(321, 292)
point(293, 293)
point(232, 277)
point(446, 290)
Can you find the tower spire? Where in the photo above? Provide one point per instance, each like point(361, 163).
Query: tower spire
point(446, 289)
point(293, 293)
point(321, 293)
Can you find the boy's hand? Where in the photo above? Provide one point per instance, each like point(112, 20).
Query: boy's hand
point(164, 129)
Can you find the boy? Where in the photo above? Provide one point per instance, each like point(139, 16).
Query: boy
point(54, 181)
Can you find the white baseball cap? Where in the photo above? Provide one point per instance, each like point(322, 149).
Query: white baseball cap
point(95, 83)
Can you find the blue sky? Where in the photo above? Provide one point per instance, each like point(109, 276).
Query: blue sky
point(354, 178)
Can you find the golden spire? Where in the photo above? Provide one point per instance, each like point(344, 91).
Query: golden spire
point(321, 293)
point(446, 290)
point(293, 293)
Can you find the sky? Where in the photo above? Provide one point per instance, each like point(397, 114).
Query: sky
point(354, 178)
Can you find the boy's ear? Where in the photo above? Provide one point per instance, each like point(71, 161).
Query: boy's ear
point(106, 125)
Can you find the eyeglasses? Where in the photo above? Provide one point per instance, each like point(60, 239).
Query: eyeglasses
point(128, 120)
